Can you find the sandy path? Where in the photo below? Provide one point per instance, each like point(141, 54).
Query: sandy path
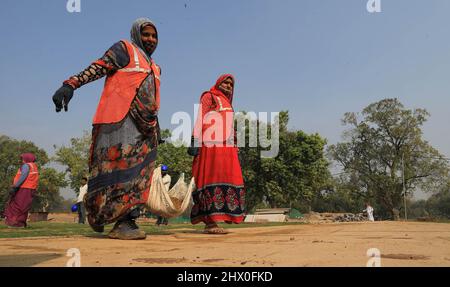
point(344, 244)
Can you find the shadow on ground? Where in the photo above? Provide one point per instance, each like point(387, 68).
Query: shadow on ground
point(26, 260)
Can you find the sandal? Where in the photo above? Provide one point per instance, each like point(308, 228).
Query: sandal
point(215, 230)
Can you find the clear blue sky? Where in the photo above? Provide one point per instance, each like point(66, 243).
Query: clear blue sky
point(316, 58)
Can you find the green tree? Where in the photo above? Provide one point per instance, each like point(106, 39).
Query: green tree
point(50, 180)
point(48, 197)
point(293, 177)
point(75, 158)
point(438, 205)
point(342, 196)
point(418, 208)
point(377, 145)
point(175, 156)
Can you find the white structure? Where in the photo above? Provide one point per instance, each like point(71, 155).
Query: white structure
point(268, 215)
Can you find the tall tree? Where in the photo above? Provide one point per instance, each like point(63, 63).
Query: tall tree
point(439, 203)
point(48, 197)
point(293, 177)
point(382, 142)
point(75, 158)
point(342, 195)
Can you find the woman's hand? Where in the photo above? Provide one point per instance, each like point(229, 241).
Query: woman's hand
point(62, 97)
point(194, 149)
point(13, 190)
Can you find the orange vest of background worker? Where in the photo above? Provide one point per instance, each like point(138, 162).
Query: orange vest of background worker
point(32, 179)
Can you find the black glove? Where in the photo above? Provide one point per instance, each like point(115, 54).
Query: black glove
point(62, 97)
point(193, 150)
point(13, 191)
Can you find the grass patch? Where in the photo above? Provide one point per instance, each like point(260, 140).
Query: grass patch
point(42, 229)
point(38, 229)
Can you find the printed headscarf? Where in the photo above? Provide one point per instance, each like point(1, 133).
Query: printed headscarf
point(135, 34)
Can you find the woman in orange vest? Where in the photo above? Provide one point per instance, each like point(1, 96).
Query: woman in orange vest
point(22, 192)
point(220, 194)
point(125, 131)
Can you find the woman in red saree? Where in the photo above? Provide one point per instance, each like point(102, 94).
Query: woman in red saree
point(22, 192)
point(220, 194)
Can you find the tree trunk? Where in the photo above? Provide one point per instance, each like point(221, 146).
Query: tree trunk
point(395, 214)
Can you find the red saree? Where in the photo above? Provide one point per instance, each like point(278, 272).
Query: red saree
point(16, 212)
point(220, 194)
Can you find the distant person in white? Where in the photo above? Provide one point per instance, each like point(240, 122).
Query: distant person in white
point(166, 180)
point(369, 211)
point(81, 209)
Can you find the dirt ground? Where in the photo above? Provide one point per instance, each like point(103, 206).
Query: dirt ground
point(343, 244)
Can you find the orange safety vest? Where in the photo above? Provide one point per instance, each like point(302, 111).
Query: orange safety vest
point(210, 128)
point(32, 179)
point(122, 86)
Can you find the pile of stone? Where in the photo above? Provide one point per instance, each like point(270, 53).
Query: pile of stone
point(315, 217)
point(350, 217)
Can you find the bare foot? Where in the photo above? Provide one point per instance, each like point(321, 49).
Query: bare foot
point(214, 229)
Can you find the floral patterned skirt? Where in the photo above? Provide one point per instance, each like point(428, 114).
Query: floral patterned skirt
point(220, 194)
point(121, 165)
